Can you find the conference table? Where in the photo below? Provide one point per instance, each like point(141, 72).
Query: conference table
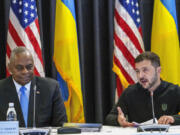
point(112, 130)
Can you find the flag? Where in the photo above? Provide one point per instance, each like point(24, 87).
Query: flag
point(23, 30)
point(128, 43)
point(66, 59)
point(164, 39)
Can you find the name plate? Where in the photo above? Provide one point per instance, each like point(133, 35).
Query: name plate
point(35, 131)
point(9, 128)
point(155, 133)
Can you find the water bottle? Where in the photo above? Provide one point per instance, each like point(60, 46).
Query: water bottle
point(11, 113)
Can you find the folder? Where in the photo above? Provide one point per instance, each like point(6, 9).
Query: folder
point(85, 127)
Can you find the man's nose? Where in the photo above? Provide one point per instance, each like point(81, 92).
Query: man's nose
point(24, 70)
point(141, 74)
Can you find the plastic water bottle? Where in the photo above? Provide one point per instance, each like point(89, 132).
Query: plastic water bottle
point(11, 113)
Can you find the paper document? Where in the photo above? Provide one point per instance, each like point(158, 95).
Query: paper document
point(144, 123)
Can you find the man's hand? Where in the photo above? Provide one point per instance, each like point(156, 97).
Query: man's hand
point(122, 120)
point(166, 120)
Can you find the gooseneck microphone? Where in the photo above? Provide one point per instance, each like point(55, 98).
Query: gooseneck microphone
point(34, 106)
point(152, 103)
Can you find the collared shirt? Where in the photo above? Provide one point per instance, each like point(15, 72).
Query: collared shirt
point(18, 86)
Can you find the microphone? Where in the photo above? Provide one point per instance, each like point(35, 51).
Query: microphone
point(155, 126)
point(34, 106)
point(152, 103)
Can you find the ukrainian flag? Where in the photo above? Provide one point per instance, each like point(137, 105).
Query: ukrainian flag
point(164, 39)
point(66, 59)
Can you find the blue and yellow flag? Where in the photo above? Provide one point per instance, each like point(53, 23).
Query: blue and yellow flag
point(66, 58)
point(164, 39)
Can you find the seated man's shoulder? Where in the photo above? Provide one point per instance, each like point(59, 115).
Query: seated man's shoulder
point(5, 80)
point(46, 80)
point(171, 86)
point(170, 89)
point(132, 88)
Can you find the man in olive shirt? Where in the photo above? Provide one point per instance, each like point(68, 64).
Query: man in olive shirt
point(135, 105)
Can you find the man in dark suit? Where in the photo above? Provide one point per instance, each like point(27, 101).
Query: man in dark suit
point(50, 110)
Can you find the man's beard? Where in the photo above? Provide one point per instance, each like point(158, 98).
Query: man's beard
point(153, 81)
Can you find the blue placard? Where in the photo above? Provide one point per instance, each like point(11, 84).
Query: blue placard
point(9, 128)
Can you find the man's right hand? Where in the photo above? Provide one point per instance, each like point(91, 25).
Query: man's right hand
point(122, 120)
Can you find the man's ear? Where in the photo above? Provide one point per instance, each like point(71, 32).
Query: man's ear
point(159, 70)
point(9, 68)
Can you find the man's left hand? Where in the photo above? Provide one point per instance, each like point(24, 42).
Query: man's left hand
point(166, 120)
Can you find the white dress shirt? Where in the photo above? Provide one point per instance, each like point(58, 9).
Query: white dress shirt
point(18, 86)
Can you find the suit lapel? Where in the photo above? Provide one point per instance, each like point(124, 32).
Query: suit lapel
point(31, 103)
point(13, 97)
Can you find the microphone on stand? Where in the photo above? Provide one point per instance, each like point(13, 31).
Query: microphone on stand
point(152, 103)
point(155, 126)
point(34, 108)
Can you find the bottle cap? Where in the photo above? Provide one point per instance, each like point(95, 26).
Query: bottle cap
point(11, 104)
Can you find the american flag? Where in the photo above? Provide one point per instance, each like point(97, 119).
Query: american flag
point(23, 30)
point(128, 41)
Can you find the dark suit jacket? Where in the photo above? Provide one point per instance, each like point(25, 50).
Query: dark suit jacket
point(50, 110)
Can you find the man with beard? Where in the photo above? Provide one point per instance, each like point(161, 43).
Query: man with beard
point(19, 88)
point(135, 105)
